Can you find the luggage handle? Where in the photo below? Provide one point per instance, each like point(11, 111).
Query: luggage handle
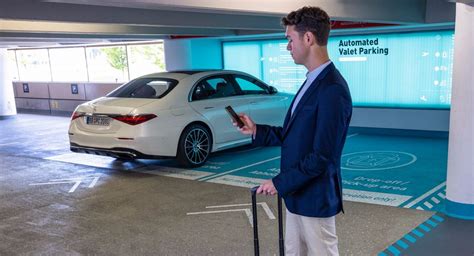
point(281, 241)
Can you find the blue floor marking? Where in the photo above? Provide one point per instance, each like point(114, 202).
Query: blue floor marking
point(418, 233)
point(244, 165)
point(410, 238)
point(402, 244)
point(393, 250)
point(252, 163)
point(374, 184)
point(382, 254)
point(373, 167)
point(438, 218)
point(432, 223)
point(236, 170)
point(425, 228)
point(436, 205)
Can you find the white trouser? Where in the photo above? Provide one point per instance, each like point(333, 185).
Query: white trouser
point(310, 236)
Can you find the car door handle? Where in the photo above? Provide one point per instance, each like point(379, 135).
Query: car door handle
point(253, 103)
point(208, 107)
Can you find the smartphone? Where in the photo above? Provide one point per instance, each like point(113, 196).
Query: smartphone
point(234, 116)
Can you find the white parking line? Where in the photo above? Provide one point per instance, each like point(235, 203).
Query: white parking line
point(94, 182)
point(427, 204)
point(209, 212)
point(238, 169)
point(425, 195)
point(264, 206)
point(76, 184)
point(247, 212)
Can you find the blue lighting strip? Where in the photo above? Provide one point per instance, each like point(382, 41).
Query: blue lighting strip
point(460, 210)
point(409, 239)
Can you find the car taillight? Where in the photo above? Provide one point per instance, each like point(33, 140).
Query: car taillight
point(134, 120)
point(76, 115)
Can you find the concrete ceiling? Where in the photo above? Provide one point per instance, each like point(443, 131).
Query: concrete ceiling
point(46, 22)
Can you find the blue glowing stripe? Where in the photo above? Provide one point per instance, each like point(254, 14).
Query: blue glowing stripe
point(425, 228)
point(410, 238)
point(417, 233)
point(431, 223)
point(393, 250)
point(460, 210)
point(437, 218)
point(402, 244)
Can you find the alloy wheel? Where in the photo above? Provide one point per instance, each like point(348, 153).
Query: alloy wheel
point(196, 146)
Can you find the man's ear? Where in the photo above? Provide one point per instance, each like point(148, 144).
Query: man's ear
point(309, 38)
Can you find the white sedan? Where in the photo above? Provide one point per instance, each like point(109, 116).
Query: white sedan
point(174, 114)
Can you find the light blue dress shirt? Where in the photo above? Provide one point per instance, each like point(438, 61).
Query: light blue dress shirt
point(310, 77)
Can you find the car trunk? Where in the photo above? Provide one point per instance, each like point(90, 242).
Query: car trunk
point(98, 115)
point(117, 106)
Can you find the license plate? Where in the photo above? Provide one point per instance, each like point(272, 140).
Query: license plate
point(98, 120)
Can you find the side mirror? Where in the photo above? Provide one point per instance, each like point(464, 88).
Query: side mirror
point(272, 90)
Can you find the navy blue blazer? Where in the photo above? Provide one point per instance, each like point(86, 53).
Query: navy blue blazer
point(311, 143)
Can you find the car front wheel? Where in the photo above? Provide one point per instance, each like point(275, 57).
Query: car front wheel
point(194, 146)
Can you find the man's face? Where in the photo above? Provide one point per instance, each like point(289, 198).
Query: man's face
point(296, 45)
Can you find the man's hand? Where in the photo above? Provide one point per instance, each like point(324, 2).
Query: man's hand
point(267, 188)
point(249, 127)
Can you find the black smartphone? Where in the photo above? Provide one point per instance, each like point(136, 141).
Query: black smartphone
point(234, 116)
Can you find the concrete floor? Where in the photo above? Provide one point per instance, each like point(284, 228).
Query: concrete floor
point(57, 208)
point(129, 213)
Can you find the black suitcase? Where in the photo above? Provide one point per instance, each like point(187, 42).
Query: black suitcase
point(255, 224)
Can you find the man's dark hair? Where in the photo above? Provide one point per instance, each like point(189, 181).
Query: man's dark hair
point(310, 19)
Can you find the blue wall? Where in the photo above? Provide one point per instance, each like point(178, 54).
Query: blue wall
point(208, 54)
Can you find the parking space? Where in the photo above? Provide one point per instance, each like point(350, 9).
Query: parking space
point(400, 171)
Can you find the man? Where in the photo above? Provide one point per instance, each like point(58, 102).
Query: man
point(311, 139)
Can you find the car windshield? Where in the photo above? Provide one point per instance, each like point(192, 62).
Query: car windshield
point(145, 88)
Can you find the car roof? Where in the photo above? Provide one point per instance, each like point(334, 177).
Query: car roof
point(192, 72)
point(181, 74)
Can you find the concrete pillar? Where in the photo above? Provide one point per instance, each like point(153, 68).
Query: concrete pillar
point(7, 98)
point(460, 181)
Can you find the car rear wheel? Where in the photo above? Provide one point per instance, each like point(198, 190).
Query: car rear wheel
point(194, 146)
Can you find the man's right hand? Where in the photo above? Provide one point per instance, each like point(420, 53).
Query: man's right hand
point(249, 127)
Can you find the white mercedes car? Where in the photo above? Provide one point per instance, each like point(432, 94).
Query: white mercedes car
point(177, 114)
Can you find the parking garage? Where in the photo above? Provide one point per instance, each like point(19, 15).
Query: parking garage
point(405, 165)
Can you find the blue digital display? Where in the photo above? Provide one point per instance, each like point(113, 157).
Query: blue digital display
point(399, 70)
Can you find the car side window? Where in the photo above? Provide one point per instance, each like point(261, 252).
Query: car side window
point(147, 88)
point(250, 86)
point(215, 87)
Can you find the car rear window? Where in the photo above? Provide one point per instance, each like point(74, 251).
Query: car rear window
point(148, 88)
